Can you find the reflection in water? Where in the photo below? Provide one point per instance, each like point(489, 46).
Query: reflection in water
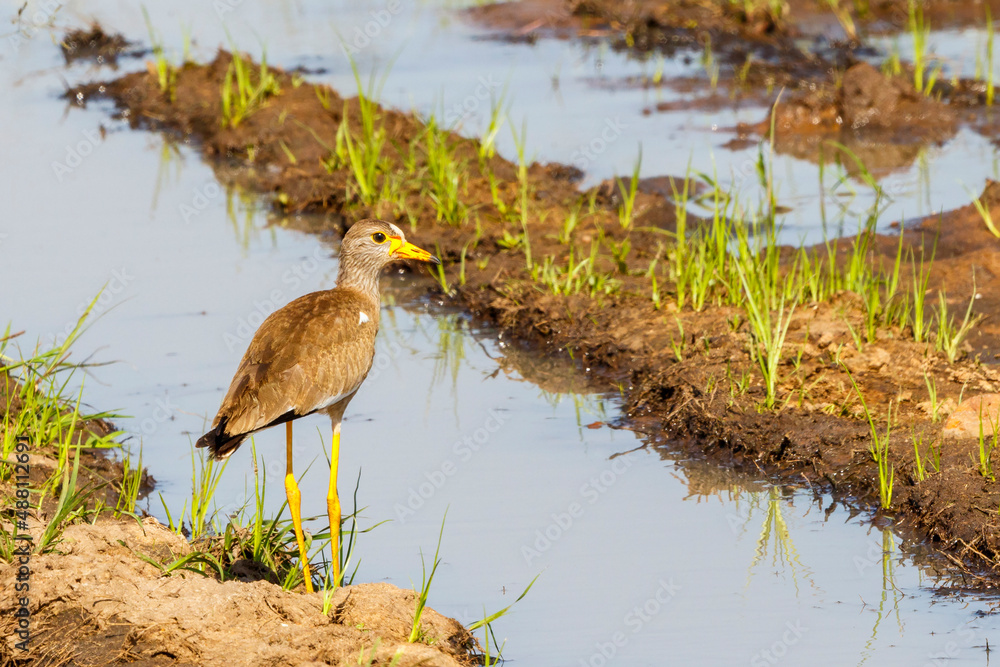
point(242, 213)
point(590, 409)
point(450, 337)
point(451, 334)
point(170, 156)
point(924, 191)
point(888, 583)
point(586, 406)
point(776, 539)
point(243, 208)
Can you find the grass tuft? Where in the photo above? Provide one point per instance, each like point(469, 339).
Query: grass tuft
point(426, 579)
point(249, 94)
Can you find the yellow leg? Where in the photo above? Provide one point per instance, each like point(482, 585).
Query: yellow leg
point(295, 505)
point(333, 504)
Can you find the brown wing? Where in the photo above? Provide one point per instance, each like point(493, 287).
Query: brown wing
point(305, 356)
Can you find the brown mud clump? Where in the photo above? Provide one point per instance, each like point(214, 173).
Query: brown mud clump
point(94, 44)
point(99, 601)
point(597, 278)
point(882, 119)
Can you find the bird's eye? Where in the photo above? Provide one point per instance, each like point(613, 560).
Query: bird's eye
point(378, 237)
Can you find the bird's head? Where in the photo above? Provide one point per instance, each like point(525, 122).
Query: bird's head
point(367, 247)
point(376, 243)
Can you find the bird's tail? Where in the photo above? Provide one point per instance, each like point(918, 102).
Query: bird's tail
point(219, 443)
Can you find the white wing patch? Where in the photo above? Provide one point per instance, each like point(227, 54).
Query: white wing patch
point(334, 399)
point(362, 317)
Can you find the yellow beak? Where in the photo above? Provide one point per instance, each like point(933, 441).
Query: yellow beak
point(400, 249)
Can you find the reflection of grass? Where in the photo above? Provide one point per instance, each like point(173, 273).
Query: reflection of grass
point(586, 407)
point(241, 209)
point(450, 351)
point(170, 156)
point(990, 88)
point(888, 583)
point(774, 534)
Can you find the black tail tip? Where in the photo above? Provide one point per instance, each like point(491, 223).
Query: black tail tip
point(220, 444)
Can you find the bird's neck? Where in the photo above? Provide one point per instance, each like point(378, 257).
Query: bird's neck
point(360, 277)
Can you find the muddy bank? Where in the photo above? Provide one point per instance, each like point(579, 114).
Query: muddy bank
point(686, 374)
point(100, 601)
point(777, 31)
point(655, 24)
point(816, 61)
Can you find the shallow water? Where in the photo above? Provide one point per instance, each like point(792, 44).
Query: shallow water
point(644, 559)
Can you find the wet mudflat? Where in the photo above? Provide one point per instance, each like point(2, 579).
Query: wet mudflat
point(623, 539)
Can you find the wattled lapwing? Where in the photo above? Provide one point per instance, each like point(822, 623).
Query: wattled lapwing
point(312, 356)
